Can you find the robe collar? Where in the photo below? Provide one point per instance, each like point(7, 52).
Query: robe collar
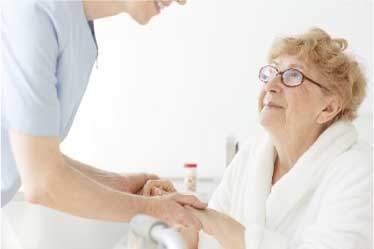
point(275, 202)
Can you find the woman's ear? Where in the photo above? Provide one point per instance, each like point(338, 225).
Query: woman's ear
point(330, 110)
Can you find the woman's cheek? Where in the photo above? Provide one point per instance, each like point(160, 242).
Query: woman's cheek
point(260, 100)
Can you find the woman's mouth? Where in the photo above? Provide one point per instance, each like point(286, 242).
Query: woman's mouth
point(272, 105)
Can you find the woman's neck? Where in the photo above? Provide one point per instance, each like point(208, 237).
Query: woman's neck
point(95, 9)
point(291, 145)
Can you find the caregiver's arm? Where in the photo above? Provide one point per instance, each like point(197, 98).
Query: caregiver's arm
point(49, 181)
point(131, 183)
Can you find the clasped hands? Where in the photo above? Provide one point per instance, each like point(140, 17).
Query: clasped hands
point(228, 232)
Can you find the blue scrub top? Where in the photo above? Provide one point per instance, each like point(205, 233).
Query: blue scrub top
point(48, 51)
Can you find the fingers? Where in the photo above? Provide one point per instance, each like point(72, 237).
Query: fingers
point(178, 228)
point(190, 200)
point(168, 209)
point(176, 215)
point(181, 2)
point(158, 187)
point(140, 192)
point(152, 177)
point(157, 191)
point(165, 3)
point(197, 213)
point(168, 2)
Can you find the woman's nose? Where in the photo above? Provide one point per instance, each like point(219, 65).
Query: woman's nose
point(274, 85)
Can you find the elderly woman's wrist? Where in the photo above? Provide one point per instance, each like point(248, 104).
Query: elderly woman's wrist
point(223, 225)
point(210, 222)
point(236, 240)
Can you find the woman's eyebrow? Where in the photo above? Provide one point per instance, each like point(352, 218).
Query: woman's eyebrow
point(275, 63)
point(296, 66)
point(292, 65)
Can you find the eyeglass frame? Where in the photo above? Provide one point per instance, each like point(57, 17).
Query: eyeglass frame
point(282, 72)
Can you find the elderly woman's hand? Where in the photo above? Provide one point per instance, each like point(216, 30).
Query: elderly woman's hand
point(163, 187)
point(171, 208)
point(227, 231)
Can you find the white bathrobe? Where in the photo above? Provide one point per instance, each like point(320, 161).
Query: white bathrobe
point(323, 202)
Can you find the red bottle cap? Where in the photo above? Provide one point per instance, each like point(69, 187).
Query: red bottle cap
point(190, 165)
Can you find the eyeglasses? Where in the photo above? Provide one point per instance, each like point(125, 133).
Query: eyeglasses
point(290, 77)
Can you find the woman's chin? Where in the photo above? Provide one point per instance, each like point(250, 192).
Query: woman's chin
point(268, 119)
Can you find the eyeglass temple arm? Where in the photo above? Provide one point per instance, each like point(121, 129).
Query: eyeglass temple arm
point(316, 83)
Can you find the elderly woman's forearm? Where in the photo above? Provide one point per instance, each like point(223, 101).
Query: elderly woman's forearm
point(226, 230)
point(230, 235)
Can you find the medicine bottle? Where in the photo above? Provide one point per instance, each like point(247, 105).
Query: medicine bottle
point(190, 177)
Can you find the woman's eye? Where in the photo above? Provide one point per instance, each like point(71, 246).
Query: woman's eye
point(295, 75)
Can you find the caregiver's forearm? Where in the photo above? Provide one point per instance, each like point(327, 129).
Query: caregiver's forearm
point(75, 193)
point(109, 179)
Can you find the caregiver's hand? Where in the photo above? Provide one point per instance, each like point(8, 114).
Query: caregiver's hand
point(154, 187)
point(170, 208)
point(168, 2)
point(134, 183)
point(227, 231)
point(143, 11)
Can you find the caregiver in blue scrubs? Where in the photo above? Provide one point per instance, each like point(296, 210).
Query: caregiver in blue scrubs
point(48, 51)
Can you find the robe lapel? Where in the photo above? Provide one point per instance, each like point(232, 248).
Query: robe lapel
point(300, 182)
point(259, 181)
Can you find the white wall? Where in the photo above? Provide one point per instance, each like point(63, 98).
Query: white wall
point(171, 92)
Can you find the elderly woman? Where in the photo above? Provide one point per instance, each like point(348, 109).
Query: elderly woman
point(305, 183)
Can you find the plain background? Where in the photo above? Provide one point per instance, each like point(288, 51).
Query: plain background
point(172, 91)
